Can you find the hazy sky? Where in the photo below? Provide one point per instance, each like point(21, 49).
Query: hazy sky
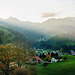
point(37, 10)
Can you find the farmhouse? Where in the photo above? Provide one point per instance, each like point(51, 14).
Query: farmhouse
point(33, 59)
point(13, 64)
point(72, 52)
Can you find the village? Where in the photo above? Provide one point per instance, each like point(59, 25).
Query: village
point(45, 57)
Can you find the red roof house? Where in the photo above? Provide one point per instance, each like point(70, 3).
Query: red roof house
point(34, 58)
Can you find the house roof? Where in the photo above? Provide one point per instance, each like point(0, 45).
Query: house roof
point(12, 63)
point(73, 53)
point(36, 57)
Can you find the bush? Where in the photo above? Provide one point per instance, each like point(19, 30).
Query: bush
point(22, 71)
point(65, 58)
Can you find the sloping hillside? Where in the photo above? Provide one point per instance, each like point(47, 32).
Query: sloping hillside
point(9, 35)
point(5, 35)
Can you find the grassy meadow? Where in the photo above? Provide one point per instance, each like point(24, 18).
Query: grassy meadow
point(66, 67)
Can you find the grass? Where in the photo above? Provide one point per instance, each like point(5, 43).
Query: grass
point(60, 68)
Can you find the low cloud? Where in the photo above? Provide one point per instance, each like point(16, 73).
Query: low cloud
point(46, 15)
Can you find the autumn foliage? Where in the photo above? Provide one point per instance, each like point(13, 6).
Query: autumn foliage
point(10, 53)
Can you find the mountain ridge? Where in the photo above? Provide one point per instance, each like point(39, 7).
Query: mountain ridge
point(36, 32)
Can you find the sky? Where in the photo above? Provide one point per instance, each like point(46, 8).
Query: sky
point(37, 10)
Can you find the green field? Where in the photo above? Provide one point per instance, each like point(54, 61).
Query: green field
point(66, 67)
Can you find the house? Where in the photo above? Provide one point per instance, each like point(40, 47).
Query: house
point(13, 64)
point(39, 50)
point(72, 52)
point(53, 60)
point(34, 59)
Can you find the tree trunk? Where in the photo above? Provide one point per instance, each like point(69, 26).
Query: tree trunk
point(7, 69)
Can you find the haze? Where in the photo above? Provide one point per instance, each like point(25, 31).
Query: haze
point(37, 10)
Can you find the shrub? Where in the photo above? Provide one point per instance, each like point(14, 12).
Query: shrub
point(22, 71)
point(65, 58)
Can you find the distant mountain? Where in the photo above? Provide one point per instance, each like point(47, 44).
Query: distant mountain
point(57, 26)
point(49, 29)
point(19, 31)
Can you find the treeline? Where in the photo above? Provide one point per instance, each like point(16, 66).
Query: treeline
point(57, 45)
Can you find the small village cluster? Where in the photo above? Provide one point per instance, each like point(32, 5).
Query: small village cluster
point(43, 56)
point(50, 56)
